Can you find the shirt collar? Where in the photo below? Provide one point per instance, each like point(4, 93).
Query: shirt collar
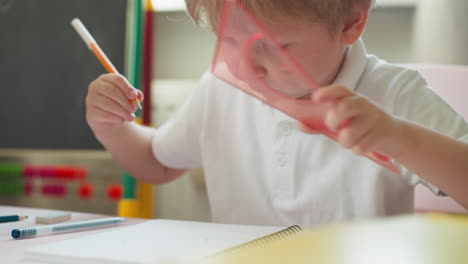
point(353, 67)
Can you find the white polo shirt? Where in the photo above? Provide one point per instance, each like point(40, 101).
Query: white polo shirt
point(260, 169)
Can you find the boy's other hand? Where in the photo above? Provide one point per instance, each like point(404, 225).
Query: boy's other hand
point(361, 125)
point(109, 101)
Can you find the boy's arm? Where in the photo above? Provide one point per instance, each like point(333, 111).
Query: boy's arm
point(130, 145)
point(436, 158)
point(110, 113)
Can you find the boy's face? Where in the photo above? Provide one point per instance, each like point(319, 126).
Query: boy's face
point(310, 44)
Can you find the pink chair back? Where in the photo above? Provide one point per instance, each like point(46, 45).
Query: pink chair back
point(451, 83)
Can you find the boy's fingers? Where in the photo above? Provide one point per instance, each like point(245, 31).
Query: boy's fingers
point(304, 128)
point(112, 92)
point(111, 106)
point(331, 93)
point(344, 110)
point(98, 115)
point(119, 81)
point(352, 134)
point(140, 97)
point(365, 145)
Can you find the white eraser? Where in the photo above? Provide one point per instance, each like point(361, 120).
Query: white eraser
point(53, 218)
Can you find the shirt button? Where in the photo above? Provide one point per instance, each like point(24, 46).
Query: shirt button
point(285, 128)
point(281, 159)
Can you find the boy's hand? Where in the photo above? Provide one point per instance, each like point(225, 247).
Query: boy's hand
point(304, 128)
point(362, 126)
point(108, 101)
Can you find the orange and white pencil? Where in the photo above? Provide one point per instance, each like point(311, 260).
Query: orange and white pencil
point(94, 47)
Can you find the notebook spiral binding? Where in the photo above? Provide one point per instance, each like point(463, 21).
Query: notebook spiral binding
point(262, 241)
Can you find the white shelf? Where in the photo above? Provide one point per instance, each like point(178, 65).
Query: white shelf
point(396, 3)
point(168, 5)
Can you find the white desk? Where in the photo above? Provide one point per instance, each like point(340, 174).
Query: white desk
point(11, 251)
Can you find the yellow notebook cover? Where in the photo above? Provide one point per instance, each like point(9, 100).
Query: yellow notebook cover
point(401, 240)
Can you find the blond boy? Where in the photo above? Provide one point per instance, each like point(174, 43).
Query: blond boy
point(261, 169)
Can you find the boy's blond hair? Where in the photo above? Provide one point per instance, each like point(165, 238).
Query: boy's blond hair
point(331, 12)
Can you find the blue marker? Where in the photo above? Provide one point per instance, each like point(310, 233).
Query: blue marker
point(61, 228)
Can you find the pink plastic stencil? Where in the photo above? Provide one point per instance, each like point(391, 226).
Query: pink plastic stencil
point(250, 59)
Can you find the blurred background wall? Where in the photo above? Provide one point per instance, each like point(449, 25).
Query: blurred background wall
point(441, 32)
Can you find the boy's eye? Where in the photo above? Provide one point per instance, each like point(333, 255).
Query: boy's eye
point(285, 46)
point(270, 47)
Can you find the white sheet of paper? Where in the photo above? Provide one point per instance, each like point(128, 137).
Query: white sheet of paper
point(155, 241)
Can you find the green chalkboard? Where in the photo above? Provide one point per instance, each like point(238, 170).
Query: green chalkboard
point(45, 69)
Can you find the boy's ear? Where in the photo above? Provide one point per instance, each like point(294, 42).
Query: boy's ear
point(354, 25)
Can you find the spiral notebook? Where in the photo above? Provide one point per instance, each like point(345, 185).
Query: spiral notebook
point(157, 241)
